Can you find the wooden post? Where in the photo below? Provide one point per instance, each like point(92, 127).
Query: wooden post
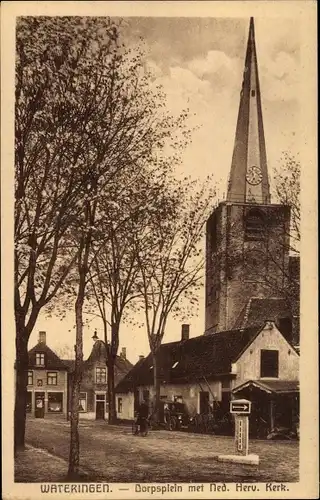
point(271, 414)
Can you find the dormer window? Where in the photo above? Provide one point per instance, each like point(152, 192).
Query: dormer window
point(39, 359)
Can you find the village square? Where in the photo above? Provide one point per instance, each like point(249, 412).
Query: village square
point(219, 404)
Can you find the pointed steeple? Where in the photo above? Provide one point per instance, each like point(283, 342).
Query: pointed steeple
point(248, 181)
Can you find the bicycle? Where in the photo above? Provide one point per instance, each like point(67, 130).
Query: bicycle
point(140, 429)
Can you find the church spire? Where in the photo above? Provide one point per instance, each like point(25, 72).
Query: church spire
point(248, 182)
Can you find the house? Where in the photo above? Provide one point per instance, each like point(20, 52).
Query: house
point(209, 370)
point(50, 381)
point(93, 403)
point(47, 381)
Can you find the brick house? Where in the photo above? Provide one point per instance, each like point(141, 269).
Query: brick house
point(47, 381)
point(210, 370)
point(93, 403)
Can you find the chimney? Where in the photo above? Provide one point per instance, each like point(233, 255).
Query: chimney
point(185, 330)
point(42, 337)
point(141, 357)
point(124, 353)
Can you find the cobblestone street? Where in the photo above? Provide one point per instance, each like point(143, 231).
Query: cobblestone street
point(113, 454)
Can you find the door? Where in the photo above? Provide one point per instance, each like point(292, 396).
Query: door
point(203, 402)
point(100, 406)
point(39, 405)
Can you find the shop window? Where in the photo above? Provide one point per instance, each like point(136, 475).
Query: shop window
point(55, 402)
point(39, 358)
point(101, 375)
point(30, 377)
point(269, 363)
point(83, 402)
point(29, 402)
point(52, 378)
point(119, 405)
point(254, 225)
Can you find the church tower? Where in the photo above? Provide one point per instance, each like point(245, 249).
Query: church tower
point(247, 237)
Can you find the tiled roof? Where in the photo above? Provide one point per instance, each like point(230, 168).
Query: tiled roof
point(122, 365)
point(260, 310)
point(191, 360)
point(271, 386)
point(52, 361)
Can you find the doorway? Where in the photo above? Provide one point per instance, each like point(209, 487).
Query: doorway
point(100, 406)
point(203, 402)
point(39, 405)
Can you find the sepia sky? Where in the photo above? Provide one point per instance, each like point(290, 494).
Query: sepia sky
point(199, 62)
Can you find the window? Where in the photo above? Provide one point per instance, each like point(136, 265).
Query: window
point(164, 397)
point(55, 400)
point(119, 405)
point(30, 377)
point(101, 375)
point(29, 402)
point(269, 363)
point(83, 402)
point(254, 225)
point(253, 93)
point(39, 358)
point(52, 378)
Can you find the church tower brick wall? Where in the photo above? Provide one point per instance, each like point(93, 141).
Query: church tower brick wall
point(247, 237)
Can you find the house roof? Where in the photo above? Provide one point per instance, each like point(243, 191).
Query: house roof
point(191, 360)
point(270, 386)
point(98, 353)
point(257, 310)
point(52, 361)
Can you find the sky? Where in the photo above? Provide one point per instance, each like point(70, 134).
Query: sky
point(199, 62)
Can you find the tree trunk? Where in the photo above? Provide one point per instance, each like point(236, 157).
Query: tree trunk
point(74, 455)
point(156, 385)
point(112, 417)
point(21, 371)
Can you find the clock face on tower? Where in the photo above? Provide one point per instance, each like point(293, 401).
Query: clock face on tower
point(254, 175)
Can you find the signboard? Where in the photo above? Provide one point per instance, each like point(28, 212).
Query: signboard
point(240, 406)
point(242, 434)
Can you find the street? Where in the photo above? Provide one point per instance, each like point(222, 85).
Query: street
point(113, 454)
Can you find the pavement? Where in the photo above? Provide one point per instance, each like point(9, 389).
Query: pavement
point(113, 454)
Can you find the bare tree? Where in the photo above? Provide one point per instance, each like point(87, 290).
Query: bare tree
point(287, 190)
point(114, 272)
point(48, 178)
point(171, 266)
point(85, 112)
point(65, 351)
